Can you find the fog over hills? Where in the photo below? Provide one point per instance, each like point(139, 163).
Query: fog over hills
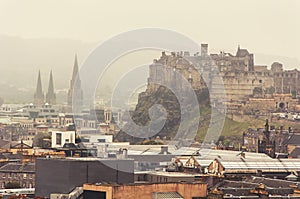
point(21, 58)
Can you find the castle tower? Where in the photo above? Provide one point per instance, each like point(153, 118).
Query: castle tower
point(244, 58)
point(204, 50)
point(75, 86)
point(38, 98)
point(51, 96)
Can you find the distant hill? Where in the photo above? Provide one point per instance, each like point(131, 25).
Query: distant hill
point(22, 58)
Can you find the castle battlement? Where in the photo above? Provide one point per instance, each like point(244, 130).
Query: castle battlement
point(243, 81)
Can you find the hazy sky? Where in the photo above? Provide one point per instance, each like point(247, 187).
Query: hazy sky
point(36, 34)
point(264, 26)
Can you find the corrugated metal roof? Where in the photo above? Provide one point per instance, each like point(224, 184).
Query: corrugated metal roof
point(206, 156)
point(268, 165)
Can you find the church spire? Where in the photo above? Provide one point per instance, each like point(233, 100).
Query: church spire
point(75, 89)
point(39, 95)
point(75, 68)
point(51, 97)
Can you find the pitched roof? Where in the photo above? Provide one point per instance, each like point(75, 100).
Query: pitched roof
point(296, 152)
point(70, 146)
point(21, 145)
point(286, 165)
point(205, 157)
point(242, 52)
point(242, 188)
point(3, 156)
point(294, 139)
point(270, 182)
point(4, 144)
point(12, 156)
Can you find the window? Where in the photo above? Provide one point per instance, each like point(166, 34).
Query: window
point(58, 138)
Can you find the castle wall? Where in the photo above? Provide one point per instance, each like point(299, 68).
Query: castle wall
point(248, 88)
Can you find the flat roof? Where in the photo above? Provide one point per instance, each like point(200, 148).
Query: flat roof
point(137, 184)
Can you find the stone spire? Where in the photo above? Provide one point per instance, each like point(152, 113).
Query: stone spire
point(51, 96)
point(39, 95)
point(75, 68)
point(75, 86)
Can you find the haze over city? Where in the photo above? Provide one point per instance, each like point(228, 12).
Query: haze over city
point(46, 35)
point(149, 99)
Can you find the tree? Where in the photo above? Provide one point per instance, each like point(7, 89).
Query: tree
point(12, 185)
point(152, 142)
point(41, 140)
point(221, 139)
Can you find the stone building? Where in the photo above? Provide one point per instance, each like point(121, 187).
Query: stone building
point(285, 81)
point(284, 142)
point(243, 61)
point(246, 85)
point(20, 173)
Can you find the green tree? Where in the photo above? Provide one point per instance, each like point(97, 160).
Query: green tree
point(12, 185)
point(152, 142)
point(41, 140)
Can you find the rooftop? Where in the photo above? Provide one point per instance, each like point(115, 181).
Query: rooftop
point(18, 168)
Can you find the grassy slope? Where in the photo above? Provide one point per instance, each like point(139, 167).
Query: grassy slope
point(233, 130)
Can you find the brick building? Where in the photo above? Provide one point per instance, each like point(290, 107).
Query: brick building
point(146, 191)
point(23, 174)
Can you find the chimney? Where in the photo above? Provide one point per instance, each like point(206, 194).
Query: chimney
point(164, 150)
point(125, 153)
